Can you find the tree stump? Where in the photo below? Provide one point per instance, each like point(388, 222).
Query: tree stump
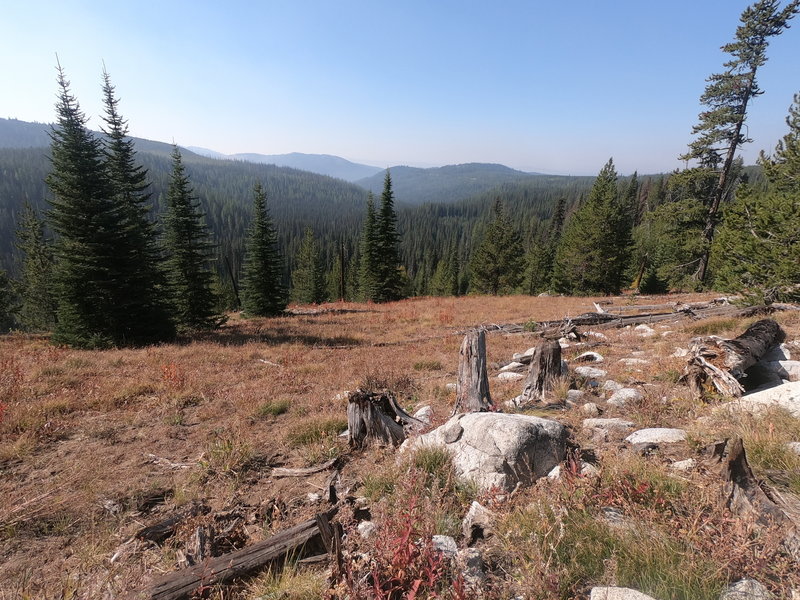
point(720, 363)
point(375, 417)
point(472, 388)
point(543, 372)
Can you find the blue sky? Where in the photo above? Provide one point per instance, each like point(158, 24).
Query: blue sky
point(556, 87)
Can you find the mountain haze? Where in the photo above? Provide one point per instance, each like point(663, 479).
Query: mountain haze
point(323, 164)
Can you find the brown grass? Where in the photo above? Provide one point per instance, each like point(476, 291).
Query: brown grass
point(82, 431)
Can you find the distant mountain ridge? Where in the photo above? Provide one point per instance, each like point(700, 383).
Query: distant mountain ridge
point(322, 164)
point(451, 183)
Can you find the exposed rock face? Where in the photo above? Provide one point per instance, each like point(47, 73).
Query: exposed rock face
point(478, 522)
point(499, 450)
point(746, 589)
point(608, 424)
point(656, 435)
point(784, 396)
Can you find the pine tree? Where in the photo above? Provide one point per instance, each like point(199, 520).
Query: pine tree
point(7, 303)
point(88, 223)
point(543, 252)
point(262, 278)
point(368, 256)
point(390, 282)
point(142, 312)
point(757, 251)
point(727, 95)
point(593, 252)
point(37, 310)
point(308, 277)
point(498, 263)
point(189, 254)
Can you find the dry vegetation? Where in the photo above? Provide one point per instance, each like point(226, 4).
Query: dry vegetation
point(96, 444)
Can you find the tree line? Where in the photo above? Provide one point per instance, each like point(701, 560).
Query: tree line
point(714, 224)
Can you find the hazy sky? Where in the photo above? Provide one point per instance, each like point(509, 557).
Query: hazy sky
point(549, 86)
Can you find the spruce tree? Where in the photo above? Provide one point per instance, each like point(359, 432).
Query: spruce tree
point(263, 292)
point(727, 95)
point(88, 223)
point(37, 310)
point(543, 252)
point(593, 252)
point(142, 312)
point(189, 253)
point(368, 273)
point(308, 277)
point(8, 303)
point(390, 282)
point(757, 251)
point(498, 263)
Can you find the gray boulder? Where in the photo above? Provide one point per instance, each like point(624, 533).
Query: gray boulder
point(608, 424)
point(612, 386)
point(621, 397)
point(498, 450)
point(782, 396)
point(590, 372)
point(746, 589)
point(656, 435)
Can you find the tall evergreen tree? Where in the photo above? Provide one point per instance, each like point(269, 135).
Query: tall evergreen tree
point(7, 303)
point(142, 311)
point(308, 277)
point(390, 281)
point(727, 95)
point(88, 223)
point(757, 251)
point(262, 278)
point(540, 259)
point(189, 254)
point(498, 263)
point(592, 255)
point(37, 310)
point(368, 270)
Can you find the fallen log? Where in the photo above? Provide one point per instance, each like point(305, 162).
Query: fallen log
point(544, 371)
point(472, 387)
point(160, 531)
point(283, 472)
point(721, 363)
point(375, 417)
point(192, 581)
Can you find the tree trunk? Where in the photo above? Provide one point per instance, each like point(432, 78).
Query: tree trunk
point(377, 418)
point(545, 369)
point(722, 363)
point(472, 388)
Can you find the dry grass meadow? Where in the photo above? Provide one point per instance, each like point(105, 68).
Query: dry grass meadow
point(95, 445)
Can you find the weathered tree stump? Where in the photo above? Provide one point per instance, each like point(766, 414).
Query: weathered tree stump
point(544, 370)
point(472, 388)
point(722, 363)
point(376, 418)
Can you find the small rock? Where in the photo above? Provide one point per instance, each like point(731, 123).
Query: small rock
point(612, 386)
point(617, 593)
point(621, 397)
point(632, 362)
point(470, 564)
point(615, 517)
point(564, 343)
point(367, 529)
point(590, 409)
point(587, 470)
point(746, 589)
point(666, 333)
point(590, 372)
point(314, 498)
point(680, 352)
point(524, 356)
point(656, 435)
point(575, 395)
point(451, 387)
point(596, 335)
point(590, 357)
point(608, 424)
point(510, 376)
point(645, 448)
point(424, 414)
point(684, 465)
point(445, 544)
point(514, 366)
point(477, 524)
point(794, 447)
point(644, 330)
